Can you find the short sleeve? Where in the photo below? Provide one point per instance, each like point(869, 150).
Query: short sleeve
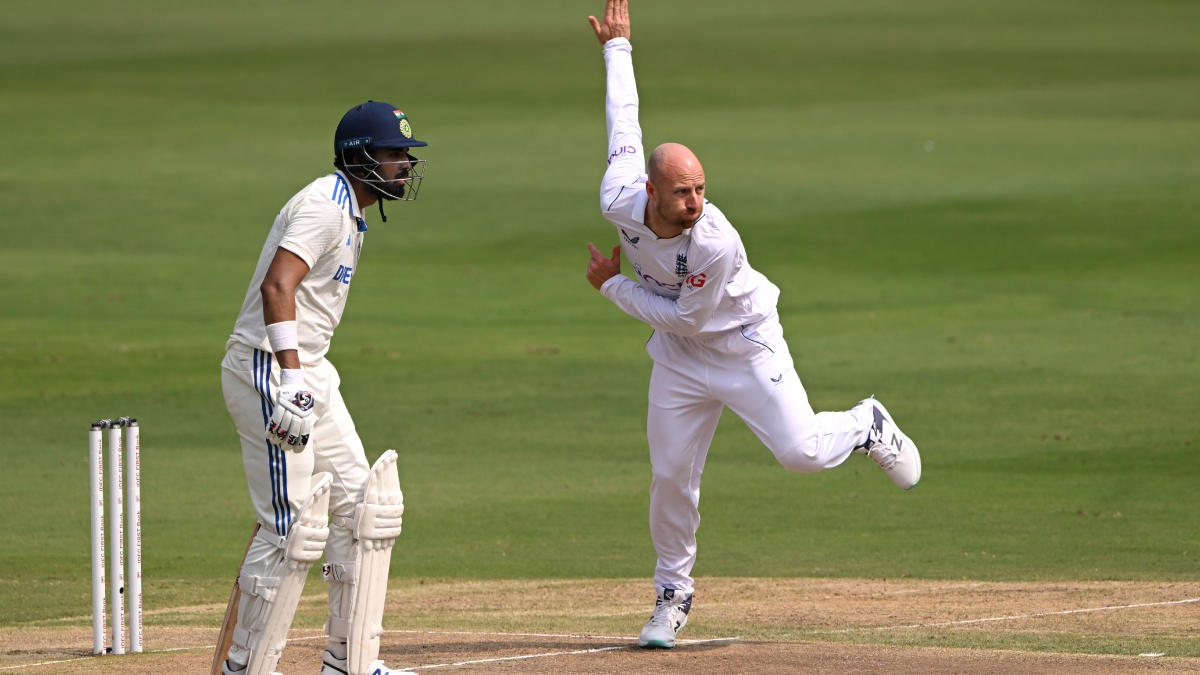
point(313, 228)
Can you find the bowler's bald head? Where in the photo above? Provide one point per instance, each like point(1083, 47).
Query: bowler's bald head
point(671, 162)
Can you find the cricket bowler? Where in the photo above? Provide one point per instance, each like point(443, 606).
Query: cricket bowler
point(717, 341)
point(310, 483)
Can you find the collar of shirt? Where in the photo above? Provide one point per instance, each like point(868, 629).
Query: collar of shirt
point(640, 202)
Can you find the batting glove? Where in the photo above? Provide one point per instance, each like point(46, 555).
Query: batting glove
point(293, 420)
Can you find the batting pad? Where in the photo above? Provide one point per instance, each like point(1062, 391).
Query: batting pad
point(269, 602)
point(375, 526)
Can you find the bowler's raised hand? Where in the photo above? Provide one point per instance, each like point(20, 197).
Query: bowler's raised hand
point(616, 21)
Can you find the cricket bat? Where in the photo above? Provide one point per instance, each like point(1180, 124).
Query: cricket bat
point(225, 638)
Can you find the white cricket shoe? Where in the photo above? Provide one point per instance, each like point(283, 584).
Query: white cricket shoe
point(670, 614)
point(336, 666)
point(895, 453)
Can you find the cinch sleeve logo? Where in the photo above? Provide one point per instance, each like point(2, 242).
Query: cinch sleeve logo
point(623, 150)
point(697, 280)
point(343, 274)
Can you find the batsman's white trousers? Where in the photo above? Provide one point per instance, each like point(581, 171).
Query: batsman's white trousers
point(750, 370)
point(279, 480)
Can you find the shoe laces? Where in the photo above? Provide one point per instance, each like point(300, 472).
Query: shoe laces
point(662, 614)
point(883, 454)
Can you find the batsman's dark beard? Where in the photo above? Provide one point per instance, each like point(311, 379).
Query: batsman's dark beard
point(393, 189)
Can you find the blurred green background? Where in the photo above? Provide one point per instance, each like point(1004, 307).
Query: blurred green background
point(985, 213)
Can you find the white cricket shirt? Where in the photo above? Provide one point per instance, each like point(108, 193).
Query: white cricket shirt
point(697, 283)
point(322, 225)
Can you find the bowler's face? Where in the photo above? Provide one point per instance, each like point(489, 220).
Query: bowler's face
point(680, 200)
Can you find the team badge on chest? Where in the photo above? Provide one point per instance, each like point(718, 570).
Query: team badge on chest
point(681, 266)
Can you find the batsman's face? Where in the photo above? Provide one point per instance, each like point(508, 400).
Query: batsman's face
point(394, 163)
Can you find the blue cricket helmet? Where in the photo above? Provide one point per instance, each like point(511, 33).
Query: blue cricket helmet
point(375, 125)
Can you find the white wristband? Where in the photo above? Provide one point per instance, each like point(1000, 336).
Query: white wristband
point(282, 336)
point(290, 376)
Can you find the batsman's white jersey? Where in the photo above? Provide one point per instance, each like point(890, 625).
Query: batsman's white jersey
point(322, 225)
point(717, 342)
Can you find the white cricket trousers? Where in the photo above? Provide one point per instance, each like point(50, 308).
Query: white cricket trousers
point(750, 370)
point(279, 479)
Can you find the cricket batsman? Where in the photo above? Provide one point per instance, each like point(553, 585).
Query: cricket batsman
point(310, 483)
point(717, 341)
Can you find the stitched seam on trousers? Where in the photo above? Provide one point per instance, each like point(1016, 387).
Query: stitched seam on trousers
point(761, 344)
point(704, 360)
point(692, 472)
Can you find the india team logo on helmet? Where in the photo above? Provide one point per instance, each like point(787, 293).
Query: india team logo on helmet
point(405, 127)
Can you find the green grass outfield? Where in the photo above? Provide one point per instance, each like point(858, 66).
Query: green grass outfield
point(987, 214)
